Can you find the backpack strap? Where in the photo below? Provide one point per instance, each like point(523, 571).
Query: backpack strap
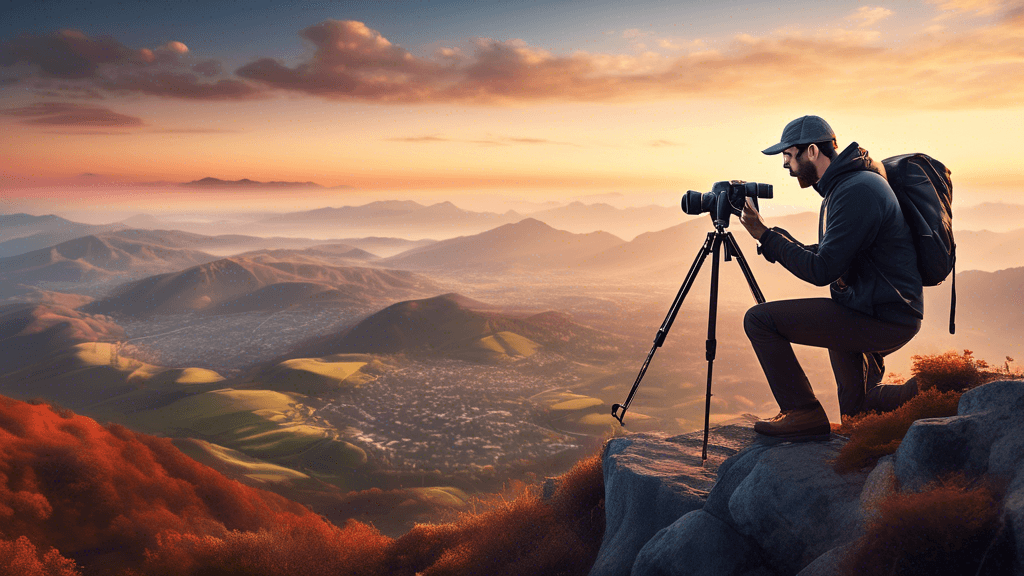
point(952, 298)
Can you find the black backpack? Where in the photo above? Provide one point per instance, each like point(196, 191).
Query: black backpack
point(925, 193)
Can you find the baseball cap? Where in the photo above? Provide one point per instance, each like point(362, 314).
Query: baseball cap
point(803, 130)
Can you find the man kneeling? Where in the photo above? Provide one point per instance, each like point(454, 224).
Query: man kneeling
point(864, 253)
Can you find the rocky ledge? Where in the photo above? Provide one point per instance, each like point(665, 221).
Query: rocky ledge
point(762, 507)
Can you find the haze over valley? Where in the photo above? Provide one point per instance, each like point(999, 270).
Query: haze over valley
point(425, 351)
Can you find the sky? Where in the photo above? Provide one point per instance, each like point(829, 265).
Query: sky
point(106, 106)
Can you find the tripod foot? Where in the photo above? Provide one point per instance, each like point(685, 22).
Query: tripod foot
point(616, 415)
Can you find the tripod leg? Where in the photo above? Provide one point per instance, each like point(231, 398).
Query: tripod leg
point(712, 344)
point(659, 339)
point(747, 273)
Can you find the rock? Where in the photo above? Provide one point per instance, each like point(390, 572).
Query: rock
point(985, 437)
point(651, 481)
point(697, 544)
point(880, 484)
point(828, 564)
point(793, 505)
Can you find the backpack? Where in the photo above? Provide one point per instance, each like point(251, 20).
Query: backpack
point(925, 193)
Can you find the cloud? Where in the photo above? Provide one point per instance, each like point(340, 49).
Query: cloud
point(868, 16)
point(87, 64)
point(71, 115)
point(851, 68)
point(664, 143)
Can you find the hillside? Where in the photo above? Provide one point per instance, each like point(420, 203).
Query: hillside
point(454, 326)
point(20, 233)
point(97, 258)
point(524, 246)
point(29, 332)
point(250, 279)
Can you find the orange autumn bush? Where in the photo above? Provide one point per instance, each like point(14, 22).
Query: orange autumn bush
point(20, 558)
point(951, 527)
point(527, 535)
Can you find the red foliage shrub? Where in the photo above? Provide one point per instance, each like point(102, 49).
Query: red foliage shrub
point(526, 535)
point(19, 558)
point(949, 371)
point(874, 435)
point(87, 490)
point(945, 529)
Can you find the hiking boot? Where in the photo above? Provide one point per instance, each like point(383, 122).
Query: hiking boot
point(797, 425)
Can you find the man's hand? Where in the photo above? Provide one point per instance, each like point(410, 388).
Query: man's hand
point(751, 220)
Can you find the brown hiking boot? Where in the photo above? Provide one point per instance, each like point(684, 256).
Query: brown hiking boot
point(797, 425)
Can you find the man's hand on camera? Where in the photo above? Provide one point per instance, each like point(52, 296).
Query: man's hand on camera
point(751, 220)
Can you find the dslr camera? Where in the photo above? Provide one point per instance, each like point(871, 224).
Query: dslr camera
point(725, 198)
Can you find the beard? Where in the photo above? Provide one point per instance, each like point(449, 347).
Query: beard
point(806, 174)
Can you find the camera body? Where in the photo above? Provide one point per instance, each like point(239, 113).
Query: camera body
point(725, 198)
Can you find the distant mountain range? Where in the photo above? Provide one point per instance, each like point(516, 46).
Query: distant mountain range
point(252, 184)
point(259, 282)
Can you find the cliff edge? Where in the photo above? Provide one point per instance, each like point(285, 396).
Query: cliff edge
point(764, 507)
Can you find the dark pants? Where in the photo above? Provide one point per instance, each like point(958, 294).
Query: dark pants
point(856, 346)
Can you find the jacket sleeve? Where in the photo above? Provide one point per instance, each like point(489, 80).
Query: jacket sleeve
point(787, 236)
point(852, 222)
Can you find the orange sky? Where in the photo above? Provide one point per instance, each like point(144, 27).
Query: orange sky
point(504, 118)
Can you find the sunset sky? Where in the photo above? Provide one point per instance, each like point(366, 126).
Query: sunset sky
point(482, 101)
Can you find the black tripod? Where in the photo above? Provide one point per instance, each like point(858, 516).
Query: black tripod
point(711, 245)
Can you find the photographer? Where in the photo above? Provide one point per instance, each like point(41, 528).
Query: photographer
point(866, 256)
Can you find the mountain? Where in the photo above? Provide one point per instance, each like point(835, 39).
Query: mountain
point(665, 257)
point(452, 325)
point(625, 222)
point(246, 183)
point(409, 217)
point(336, 254)
point(20, 233)
point(526, 245)
point(95, 260)
point(225, 281)
point(204, 236)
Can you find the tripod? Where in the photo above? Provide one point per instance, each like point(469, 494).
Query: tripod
point(712, 245)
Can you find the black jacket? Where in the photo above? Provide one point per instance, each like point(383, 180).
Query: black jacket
point(864, 248)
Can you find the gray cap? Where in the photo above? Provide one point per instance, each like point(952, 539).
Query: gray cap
point(804, 130)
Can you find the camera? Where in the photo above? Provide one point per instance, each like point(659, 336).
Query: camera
point(725, 198)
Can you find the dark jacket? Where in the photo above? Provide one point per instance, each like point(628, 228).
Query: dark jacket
point(864, 248)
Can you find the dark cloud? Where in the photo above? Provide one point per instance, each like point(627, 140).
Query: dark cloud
point(184, 85)
point(65, 54)
point(91, 64)
point(70, 115)
point(208, 68)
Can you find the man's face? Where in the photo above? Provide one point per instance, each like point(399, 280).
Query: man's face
point(799, 166)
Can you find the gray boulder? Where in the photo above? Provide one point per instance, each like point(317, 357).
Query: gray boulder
point(791, 503)
point(697, 543)
point(985, 437)
point(651, 480)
